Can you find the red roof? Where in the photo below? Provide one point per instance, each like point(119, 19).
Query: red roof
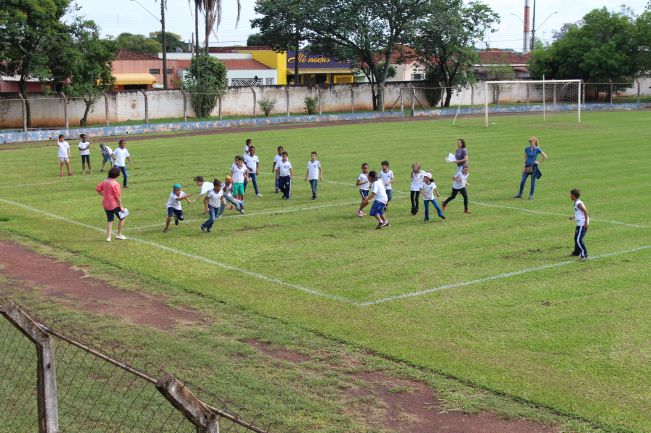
point(125, 54)
point(242, 64)
point(235, 49)
point(403, 54)
point(503, 57)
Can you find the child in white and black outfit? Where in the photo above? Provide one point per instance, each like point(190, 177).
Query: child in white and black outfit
point(459, 186)
point(582, 222)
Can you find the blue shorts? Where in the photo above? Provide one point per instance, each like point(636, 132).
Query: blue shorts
point(363, 193)
point(111, 214)
point(178, 214)
point(106, 158)
point(377, 208)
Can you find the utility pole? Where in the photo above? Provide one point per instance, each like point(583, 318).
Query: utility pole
point(164, 37)
point(533, 27)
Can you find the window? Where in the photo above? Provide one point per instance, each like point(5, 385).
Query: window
point(154, 71)
point(416, 77)
point(269, 81)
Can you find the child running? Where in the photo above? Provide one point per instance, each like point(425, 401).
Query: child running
point(416, 183)
point(582, 222)
point(84, 152)
point(379, 196)
point(277, 160)
point(174, 208)
point(314, 173)
point(214, 205)
point(459, 186)
point(205, 187)
point(252, 163)
point(429, 191)
point(228, 196)
point(284, 173)
point(111, 194)
point(364, 186)
point(387, 178)
point(63, 152)
point(240, 175)
point(106, 155)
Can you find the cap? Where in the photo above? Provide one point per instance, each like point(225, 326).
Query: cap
point(177, 186)
point(428, 175)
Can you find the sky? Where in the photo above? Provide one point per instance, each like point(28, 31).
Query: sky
point(129, 16)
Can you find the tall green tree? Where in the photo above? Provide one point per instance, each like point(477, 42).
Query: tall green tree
point(28, 30)
point(138, 43)
point(257, 39)
point(86, 69)
point(206, 80)
point(174, 41)
point(605, 46)
point(446, 41)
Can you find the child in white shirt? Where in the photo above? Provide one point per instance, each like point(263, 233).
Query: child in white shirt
point(429, 191)
point(228, 196)
point(284, 173)
point(84, 151)
point(364, 186)
point(106, 155)
point(174, 208)
point(582, 222)
point(416, 183)
point(459, 186)
point(214, 204)
point(63, 153)
point(314, 173)
point(277, 159)
point(387, 178)
point(379, 196)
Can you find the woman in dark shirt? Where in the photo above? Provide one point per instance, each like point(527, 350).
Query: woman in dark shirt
point(461, 155)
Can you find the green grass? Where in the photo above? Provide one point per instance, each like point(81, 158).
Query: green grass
point(574, 339)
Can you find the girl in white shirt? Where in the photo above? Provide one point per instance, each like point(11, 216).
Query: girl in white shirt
point(582, 222)
point(416, 183)
point(63, 153)
point(364, 185)
point(84, 151)
point(460, 181)
point(429, 196)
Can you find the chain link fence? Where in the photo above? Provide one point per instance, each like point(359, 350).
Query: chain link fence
point(54, 382)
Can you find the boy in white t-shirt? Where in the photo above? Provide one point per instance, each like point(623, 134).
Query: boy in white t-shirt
point(247, 145)
point(240, 175)
point(459, 186)
point(314, 173)
point(84, 151)
point(63, 153)
point(120, 157)
point(285, 172)
point(106, 154)
point(387, 178)
point(214, 204)
point(364, 185)
point(429, 191)
point(204, 187)
point(277, 159)
point(582, 222)
point(174, 208)
point(414, 188)
point(379, 196)
point(252, 163)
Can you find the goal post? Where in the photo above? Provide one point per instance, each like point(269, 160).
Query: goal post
point(532, 96)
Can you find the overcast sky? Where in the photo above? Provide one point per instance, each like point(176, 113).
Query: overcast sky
point(128, 16)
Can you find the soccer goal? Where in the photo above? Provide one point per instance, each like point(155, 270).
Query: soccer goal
point(536, 96)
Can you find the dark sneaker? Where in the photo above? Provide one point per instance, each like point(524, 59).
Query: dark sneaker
point(379, 226)
point(517, 196)
point(203, 229)
point(241, 210)
point(442, 217)
point(575, 254)
point(466, 211)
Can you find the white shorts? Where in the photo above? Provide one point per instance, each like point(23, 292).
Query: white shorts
point(61, 159)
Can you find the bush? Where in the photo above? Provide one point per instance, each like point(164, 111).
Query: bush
point(267, 105)
point(311, 103)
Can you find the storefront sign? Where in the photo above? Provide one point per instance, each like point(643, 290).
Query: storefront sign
point(307, 60)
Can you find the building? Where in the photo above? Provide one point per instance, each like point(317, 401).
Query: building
point(34, 85)
point(407, 65)
point(496, 64)
point(133, 70)
point(242, 69)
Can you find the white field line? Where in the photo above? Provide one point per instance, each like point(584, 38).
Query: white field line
point(269, 212)
point(640, 226)
point(495, 277)
point(188, 255)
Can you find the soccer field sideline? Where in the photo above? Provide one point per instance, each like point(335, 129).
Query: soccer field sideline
point(321, 294)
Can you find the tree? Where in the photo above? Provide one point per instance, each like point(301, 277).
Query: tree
point(28, 31)
point(367, 30)
point(206, 80)
point(212, 13)
point(138, 43)
point(174, 41)
point(88, 60)
point(257, 40)
point(605, 46)
point(446, 42)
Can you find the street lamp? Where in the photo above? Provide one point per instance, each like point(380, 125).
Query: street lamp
point(163, 35)
point(533, 27)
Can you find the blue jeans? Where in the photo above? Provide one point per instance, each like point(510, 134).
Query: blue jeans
point(436, 205)
point(533, 175)
point(214, 213)
point(313, 184)
point(252, 178)
point(125, 176)
point(232, 200)
point(284, 184)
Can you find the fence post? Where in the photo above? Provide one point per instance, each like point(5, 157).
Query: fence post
point(413, 101)
point(106, 110)
point(65, 111)
point(24, 105)
point(46, 383)
point(287, 99)
point(638, 91)
point(352, 99)
point(318, 89)
point(185, 105)
point(472, 95)
point(402, 102)
point(144, 93)
point(220, 107)
point(381, 97)
point(610, 91)
point(254, 99)
point(188, 404)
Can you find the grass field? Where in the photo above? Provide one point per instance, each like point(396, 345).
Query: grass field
point(490, 298)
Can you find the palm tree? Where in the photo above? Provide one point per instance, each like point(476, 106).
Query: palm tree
point(212, 11)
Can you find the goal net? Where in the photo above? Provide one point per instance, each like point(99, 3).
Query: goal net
point(544, 97)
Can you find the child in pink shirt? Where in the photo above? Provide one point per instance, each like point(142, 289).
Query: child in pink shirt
point(111, 194)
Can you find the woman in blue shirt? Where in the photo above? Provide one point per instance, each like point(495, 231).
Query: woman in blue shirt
point(531, 153)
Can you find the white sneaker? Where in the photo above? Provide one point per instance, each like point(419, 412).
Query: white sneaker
point(259, 195)
point(121, 237)
point(108, 239)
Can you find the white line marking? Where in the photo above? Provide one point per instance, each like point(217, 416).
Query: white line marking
point(191, 256)
point(269, 212)
point(495, 277)
point(640, 226)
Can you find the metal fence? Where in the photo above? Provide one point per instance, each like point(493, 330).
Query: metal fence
point(53, 382)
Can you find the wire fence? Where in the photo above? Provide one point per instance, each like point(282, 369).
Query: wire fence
point(55, 382)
